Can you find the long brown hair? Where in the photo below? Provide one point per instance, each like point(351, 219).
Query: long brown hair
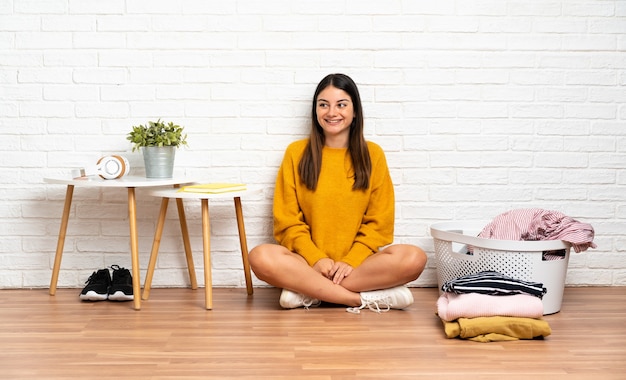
point(311, 162)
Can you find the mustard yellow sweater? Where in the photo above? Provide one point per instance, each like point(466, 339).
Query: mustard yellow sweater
point(333, 221)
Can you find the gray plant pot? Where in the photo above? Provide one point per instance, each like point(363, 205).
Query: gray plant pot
point(159, 161)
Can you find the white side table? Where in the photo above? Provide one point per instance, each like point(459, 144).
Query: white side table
point(128, 182)
point(204, 198)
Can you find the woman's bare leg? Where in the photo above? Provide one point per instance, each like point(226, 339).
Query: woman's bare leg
point(393, 266)
point(277, 266)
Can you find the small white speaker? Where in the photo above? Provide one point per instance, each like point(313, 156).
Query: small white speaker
point(112, 167)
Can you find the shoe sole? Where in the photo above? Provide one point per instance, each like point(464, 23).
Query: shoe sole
point(93, 296)
point(120, 296)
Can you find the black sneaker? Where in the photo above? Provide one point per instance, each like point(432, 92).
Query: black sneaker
point(121, 288)
point(97, 288)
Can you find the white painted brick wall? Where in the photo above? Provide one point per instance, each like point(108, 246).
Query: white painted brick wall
point(482, 106)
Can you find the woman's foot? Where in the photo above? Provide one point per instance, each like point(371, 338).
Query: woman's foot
point(383, 300)
point(292, 300)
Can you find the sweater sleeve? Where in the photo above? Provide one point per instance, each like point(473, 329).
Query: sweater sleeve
point(290, 228)
point(377, 224)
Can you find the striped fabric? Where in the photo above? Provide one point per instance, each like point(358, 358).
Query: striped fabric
point(539, 224)
point(493, 283)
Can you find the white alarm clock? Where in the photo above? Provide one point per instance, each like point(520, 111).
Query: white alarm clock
point(112, 167)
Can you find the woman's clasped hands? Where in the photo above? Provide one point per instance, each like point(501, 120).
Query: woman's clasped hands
point(335, 271)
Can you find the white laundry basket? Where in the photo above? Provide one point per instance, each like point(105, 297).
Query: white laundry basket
point(460, 252)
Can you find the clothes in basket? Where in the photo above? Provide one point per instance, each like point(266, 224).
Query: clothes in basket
point(540, 224)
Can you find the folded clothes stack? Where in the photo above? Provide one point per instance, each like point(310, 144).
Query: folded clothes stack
point(489, 306)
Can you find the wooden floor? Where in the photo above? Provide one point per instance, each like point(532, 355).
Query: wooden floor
point(173, 337)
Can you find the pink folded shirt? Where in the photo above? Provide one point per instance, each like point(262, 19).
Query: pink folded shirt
point(451, 306)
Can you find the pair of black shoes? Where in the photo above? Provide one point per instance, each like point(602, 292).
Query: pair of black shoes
point(101, 286)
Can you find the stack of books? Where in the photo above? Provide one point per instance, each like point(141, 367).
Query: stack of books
point(214, 188)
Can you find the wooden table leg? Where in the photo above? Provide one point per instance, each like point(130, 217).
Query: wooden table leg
point(244, 245)
point(206, 244)
point(156, 243)
point(134, 247)
point(185, 232)
point(61, 241)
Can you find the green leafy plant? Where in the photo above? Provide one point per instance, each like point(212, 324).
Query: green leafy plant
point(157, 133)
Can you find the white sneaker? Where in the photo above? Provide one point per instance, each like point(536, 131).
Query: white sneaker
point(383, 300)
point(292, 300)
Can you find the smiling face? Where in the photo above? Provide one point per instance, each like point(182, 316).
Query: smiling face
point(335, 112)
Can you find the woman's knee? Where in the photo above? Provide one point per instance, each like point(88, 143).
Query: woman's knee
point(258, 256)
point(266, 260)
point(419, 259)
point(413, 259)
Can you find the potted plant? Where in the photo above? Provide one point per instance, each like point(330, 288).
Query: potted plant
point(158, 142)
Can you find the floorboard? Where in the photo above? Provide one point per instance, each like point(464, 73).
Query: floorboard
point(174, 337)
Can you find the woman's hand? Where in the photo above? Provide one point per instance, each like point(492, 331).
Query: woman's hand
point(325, 267)
point(340, 271)
point(335, 271)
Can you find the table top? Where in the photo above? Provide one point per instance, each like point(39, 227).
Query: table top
point(126, 181)
point(175, 193)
